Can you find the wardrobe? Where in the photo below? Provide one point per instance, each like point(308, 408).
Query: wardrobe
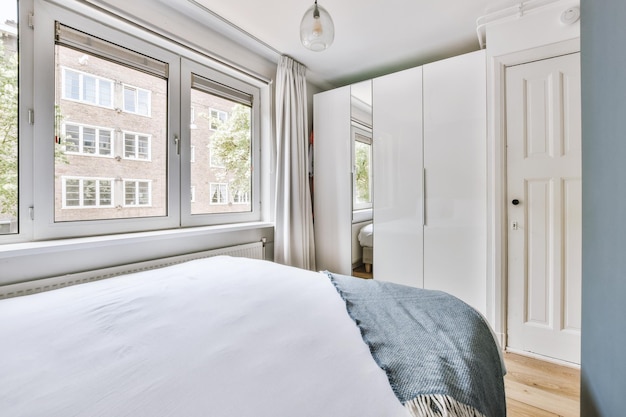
point(429, 169)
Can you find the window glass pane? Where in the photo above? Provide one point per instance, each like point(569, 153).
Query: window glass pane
point(129, 100)
point(89, 89)
point(89, 140)
point(104, 191)
point(363, 180)
point(8, 119)
point(143, 102)
point(222, 151)
point(104, 142)
point(72, 138)
point(105, 90)
point(72, 85)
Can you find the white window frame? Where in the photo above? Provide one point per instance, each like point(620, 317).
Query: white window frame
point(241, 197)
point(81, 205)
point(81, 140)
point(136, 203)
point(137, 91)
point(193, 193)
point(37, 168)
point(136, 137)
point(81, 92)
point(361, 134)
point(223, 187)
point(218, 115)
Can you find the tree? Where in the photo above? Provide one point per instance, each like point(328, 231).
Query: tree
point(230, 144)
point(362, 174)
point(8, 134)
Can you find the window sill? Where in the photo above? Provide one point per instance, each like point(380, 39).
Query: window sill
point(94, 242)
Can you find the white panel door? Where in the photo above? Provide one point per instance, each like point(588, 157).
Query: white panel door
point(455, 166)
point(333, 181)
point(398, 181)
point(544, 199)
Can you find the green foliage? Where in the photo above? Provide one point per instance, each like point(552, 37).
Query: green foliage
point(230, 144)
point(8, 134)
point(362, 175)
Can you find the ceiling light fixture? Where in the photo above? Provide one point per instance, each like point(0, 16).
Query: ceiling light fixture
point(317, 30)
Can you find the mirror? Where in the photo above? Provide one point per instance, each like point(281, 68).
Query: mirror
point(362, 191)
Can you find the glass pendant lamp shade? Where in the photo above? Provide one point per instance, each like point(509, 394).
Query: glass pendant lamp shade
point(317, 30)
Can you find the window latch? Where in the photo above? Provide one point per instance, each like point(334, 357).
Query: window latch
point(177, 144)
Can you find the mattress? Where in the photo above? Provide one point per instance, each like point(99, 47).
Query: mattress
point(214, 337)
point(366, 236)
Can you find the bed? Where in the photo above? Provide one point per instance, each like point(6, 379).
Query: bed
point(227, 336)
point(366, 240)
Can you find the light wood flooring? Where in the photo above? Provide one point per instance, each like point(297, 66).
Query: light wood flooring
point(535, 388)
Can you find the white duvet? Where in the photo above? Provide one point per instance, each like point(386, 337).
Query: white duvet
point(214, 337)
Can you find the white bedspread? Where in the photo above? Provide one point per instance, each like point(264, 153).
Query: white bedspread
point(214, 337)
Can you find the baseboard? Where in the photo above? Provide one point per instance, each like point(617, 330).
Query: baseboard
point(543, 358)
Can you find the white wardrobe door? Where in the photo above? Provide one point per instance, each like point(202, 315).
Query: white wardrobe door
point(455, 140)
point(333, 181)
point(397, 161)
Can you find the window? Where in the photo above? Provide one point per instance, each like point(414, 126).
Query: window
point(136, 146)
point(217, 118)
point(219, 193)
point(87, 140)
point(362, 178)
point(87, 88)
point(193, 193)
point(8, 119)
point(88, 64)
point(87, 192)
point(137, 193)
point(226, 138)
point(115, 164)
point(241, 197)
point(137, 100)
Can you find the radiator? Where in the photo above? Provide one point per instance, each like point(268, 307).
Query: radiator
point(254, 250)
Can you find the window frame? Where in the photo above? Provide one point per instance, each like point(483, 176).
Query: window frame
point(137, 182)
point(36, 169)
point(81, 98)
point(136, 103)
point(81, 180)
point(363, 134)
point(191, 68)
point(81, 127)
point(137, 136)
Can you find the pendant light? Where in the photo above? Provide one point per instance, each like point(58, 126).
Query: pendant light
point(316, 29)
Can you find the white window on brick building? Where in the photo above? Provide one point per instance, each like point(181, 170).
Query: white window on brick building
point(87, 140)
point(216, 117)
point(137, 100)
point(87, 193)
point(87, 88)
point(241, 197)
point(136, 146)
point(219, 193)
point(137, 193)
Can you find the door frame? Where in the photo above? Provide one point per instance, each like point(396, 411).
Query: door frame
point(497, 224)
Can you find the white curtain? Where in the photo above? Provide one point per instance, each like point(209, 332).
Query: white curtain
point(293, 240)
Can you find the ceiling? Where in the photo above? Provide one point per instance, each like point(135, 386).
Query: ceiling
point(372, 37)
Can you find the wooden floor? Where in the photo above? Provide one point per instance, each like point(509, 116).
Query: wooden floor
point(536, 388)
point(360, 272)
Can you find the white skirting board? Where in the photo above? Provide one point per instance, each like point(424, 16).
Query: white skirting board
point(254, 250)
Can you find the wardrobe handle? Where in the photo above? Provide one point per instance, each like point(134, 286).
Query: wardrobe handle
point(424, 197)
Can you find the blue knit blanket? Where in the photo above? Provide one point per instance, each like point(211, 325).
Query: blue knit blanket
point(439, 354)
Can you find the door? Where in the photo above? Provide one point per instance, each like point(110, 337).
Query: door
point(544, 207)
point(398, 181)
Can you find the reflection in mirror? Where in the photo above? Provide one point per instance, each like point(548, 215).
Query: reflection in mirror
point(362, 192)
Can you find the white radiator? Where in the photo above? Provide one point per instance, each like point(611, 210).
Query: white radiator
point(255, 250)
